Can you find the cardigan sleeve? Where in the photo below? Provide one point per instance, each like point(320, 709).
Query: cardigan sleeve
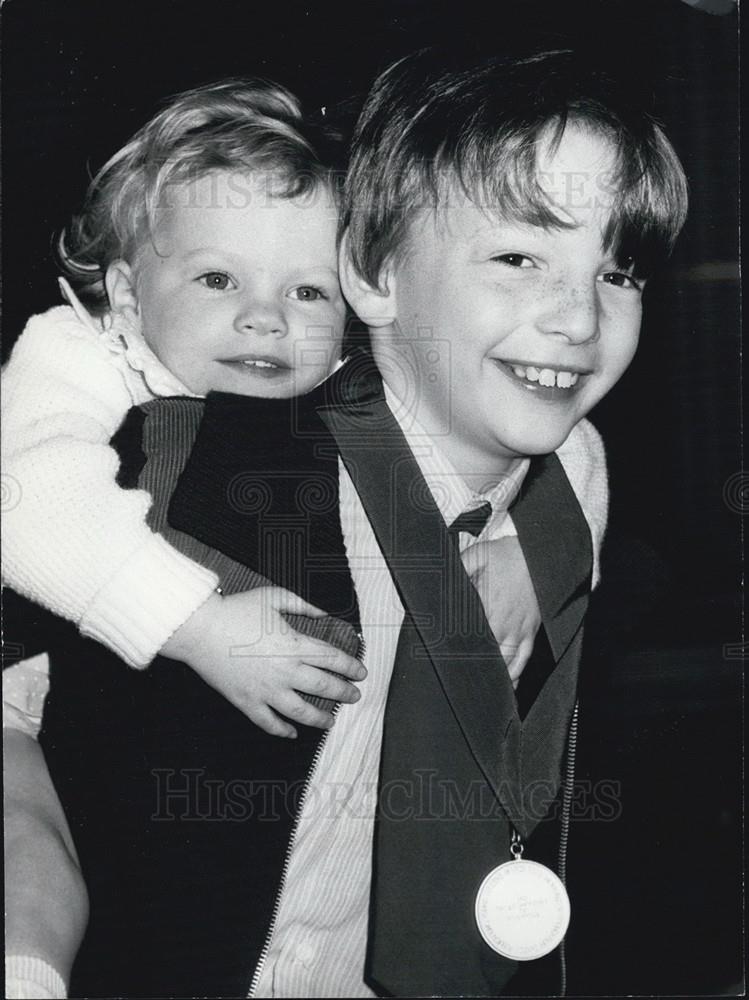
point(584, 460)
point(73, 541)
point(29, 976)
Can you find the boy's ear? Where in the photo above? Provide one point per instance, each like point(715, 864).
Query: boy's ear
point(374, 306)
point(121, 292)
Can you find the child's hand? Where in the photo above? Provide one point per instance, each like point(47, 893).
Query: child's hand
point(244, 648)
point(499, 574)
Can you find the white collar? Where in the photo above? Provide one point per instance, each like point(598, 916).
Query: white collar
point(121, 337)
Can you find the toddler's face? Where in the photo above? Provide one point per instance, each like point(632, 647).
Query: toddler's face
point(238, 291)
point(510, 333)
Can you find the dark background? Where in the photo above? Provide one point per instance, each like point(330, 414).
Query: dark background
point(657, 890)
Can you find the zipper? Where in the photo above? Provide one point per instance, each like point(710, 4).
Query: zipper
point(290, 846)
point(567, 793)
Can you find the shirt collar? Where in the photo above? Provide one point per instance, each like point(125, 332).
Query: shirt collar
point(450, 491)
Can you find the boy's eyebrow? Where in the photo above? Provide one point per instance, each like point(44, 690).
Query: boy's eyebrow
point(515, 228)
point(495, 225)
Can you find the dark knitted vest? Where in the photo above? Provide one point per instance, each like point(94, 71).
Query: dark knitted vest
point(182, 809)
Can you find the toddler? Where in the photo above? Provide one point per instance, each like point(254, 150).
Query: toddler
point(206, 248)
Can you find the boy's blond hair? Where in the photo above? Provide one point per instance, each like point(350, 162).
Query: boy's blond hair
point(439, 123)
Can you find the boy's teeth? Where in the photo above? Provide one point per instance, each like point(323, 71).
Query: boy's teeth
point(260, 364)
point(546, 376)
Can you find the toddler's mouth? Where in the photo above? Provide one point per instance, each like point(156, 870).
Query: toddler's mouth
point(266, 366)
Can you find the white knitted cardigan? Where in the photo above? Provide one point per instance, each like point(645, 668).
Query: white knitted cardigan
point(72, 539)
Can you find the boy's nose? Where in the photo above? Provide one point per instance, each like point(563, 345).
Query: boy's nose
point(261, 318)
point(573, 314)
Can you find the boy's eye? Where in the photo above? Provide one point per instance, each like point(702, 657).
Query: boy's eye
point(217, 281)
point(620, 279)
point(308, 293)
point(514, 259)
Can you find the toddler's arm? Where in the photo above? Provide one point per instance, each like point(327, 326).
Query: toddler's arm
point(46, 903)
point(498, 572)
point(497, 568)
point(243, 647)
point(72, 540)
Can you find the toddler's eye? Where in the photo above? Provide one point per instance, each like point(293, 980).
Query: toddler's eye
point(514, 259)
point(308, 293)
point(620, 279)
point(217, 281)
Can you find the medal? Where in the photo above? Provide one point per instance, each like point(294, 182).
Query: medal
point(522, 908)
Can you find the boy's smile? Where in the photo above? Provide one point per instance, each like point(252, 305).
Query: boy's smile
point(548, 383)
point(238, 291)
point(505, 334)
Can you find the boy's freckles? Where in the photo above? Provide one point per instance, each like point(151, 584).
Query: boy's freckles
point(507, 334)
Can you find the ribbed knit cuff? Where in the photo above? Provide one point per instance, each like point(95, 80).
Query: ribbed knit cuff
point(154, 593)
point(31, 978)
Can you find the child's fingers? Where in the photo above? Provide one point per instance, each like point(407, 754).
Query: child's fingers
point(285, 600)
point(318, 682)
point(320, 654)
point(267, 720)
point(516, 657)
point(502, 552)
point(475, 557)
point(293, 706)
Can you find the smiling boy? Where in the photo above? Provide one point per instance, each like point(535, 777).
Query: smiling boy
point(535, 324)
point(500, 219)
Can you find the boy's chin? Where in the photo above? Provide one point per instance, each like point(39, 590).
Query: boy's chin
point(529, 444)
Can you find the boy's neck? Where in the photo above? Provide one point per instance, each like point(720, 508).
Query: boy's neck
point(479, 472)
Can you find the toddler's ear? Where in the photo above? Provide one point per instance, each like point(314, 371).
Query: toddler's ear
point(374, 306)
point(120, 285)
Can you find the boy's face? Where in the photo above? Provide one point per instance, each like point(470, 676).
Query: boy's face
point(238, 291)
point(506, 334)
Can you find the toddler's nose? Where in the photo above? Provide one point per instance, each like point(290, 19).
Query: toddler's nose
point(261, 318)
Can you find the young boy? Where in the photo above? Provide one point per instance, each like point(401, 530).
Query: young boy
point(500, 218)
